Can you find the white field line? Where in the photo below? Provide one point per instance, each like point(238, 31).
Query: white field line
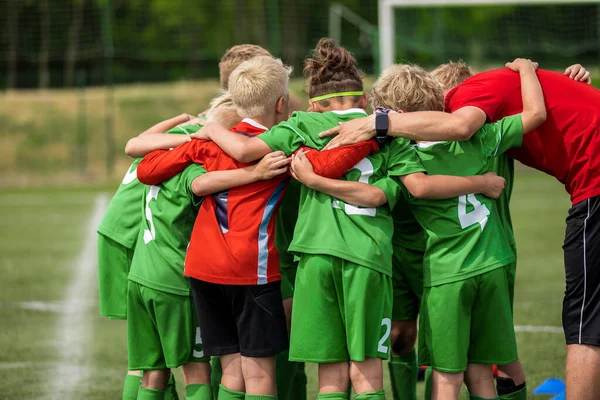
point(538, 328)
point(73, 329)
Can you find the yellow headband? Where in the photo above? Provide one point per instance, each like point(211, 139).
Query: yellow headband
point(340, 94)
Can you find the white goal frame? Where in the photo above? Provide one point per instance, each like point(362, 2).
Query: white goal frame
point(386, 17)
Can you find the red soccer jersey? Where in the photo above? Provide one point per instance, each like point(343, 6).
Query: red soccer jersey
point(566, 146)
point(233, 237)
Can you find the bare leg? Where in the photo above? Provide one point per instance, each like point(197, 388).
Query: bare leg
point(232, 377)
point(156, 379)
point(479, 379)
point(259, 375)
point(583, 372)
point(446, 386)
point(513, 371)
point(196, 373)
point(403, 336)
point(366, 376)
point(333, 377)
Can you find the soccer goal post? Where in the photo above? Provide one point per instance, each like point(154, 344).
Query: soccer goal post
point(386, 10)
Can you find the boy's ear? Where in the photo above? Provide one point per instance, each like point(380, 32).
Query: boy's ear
point(279, 106)
point(400, 111)
point(364, 101)
point(313, 106)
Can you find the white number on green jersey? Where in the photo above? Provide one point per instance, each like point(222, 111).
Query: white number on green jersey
point(479, 214)
point(382, 348)
point(130, 176)
point(150, 234)
point(365, 166)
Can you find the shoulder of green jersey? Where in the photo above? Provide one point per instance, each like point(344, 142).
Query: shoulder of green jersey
point(285, 124)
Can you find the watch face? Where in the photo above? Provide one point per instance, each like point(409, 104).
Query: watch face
point(381, 124)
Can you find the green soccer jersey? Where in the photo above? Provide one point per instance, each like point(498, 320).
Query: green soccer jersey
point(408, 233)
point(329, 226)
point(285, 224)
point(121, 221)
point(465, 235)
point(167, 218)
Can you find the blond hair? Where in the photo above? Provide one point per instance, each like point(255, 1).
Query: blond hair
point(257, 84)
point(407, 88)
point(236, 55)
point(223, 111)
point(452, 74)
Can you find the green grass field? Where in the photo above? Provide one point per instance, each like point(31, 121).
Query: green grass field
point(54, 345)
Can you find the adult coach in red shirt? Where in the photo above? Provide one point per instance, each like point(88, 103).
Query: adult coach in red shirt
point(566, 146)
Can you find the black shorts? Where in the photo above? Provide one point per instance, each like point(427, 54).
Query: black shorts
point(246, 319)
point(581, 305)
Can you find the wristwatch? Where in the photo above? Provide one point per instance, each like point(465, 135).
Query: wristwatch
point(382, 124)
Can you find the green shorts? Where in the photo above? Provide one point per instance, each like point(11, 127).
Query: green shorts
point(511, 274)
point(407, 282)
point(341, 311)
point(162, 330)
point(114, 261)
point(468, 322)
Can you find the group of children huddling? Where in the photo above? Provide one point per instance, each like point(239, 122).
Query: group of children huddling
point(234, 223)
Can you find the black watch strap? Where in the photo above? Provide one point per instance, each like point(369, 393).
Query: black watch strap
point(382, 124)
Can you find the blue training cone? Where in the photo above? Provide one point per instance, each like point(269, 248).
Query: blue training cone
point(561, 396)
point(551, 386)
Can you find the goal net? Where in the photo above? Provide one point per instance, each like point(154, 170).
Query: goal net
point(489, 32)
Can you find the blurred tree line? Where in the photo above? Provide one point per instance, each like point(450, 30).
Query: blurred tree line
point(55, 43)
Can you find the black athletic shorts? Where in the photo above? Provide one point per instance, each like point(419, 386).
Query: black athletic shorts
point(581, 305)
point(246, 319)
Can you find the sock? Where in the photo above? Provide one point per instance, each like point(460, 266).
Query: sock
point(150, 394)
point(299, 384)
point(333, 396)
point(171, 390)
point(260, 397)
point(130, 387)
point(428, 383)
point(377, 395)
point(507, 390)
point(285, 373)
point(215, 375)
point(403, 374)
point(228, 394)
point(198, 392)
point(481, 398)
point(349, 392)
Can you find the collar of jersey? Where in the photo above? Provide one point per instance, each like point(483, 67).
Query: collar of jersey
point(349, 111)
point(424, 145)
point(255, 124)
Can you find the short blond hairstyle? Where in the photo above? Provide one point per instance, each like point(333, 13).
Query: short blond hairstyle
point(452, 74)
point(407, 88)
point(257, 84)
point(223, 111)
point(236, 55)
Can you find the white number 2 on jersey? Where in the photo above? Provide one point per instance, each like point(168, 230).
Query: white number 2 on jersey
point(150, 234)
point(478, 215)
point(365, 166)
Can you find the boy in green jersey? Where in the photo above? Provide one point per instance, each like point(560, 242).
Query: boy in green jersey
point(467, 251)
point(342, 302)
point(510, 382)
point(117, 235)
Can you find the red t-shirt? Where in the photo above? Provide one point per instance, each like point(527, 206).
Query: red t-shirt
point(566, 146)
point(233, 237)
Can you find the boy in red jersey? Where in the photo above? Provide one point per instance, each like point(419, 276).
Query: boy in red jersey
point(566, 146)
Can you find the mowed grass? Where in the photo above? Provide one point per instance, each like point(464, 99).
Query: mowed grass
point(41, 242)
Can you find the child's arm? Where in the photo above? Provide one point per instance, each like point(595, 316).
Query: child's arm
point(424, 186)
point(273, 164)
point(356, 193)
point(242, 148)
point(139, 146)
point(534, 109)
point(335, 163)
point(167, 124)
